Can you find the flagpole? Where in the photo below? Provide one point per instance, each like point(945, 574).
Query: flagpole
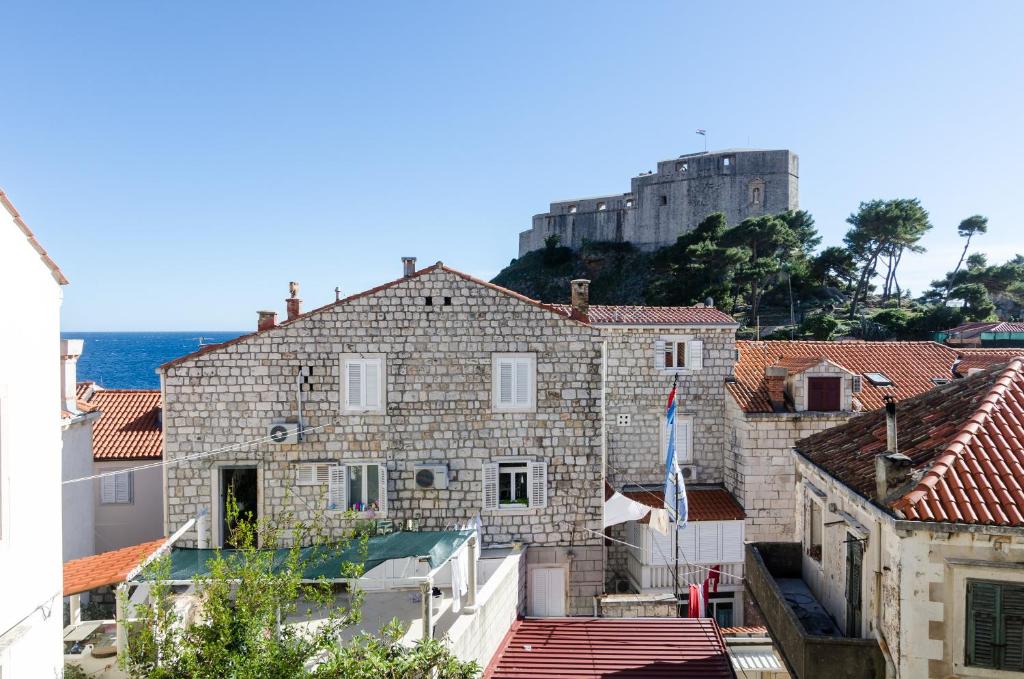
point(676, 545)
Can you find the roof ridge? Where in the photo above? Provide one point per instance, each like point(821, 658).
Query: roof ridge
point(956, 448)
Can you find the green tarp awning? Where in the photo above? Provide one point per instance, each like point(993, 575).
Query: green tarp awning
point(327, 562)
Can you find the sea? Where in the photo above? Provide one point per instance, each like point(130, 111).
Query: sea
point(128, 360)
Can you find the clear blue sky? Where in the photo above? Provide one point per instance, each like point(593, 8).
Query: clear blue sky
point(183, 161)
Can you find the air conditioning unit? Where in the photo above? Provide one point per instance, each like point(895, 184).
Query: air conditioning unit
point(283, 432)
point(432, 476)
point(689, 472)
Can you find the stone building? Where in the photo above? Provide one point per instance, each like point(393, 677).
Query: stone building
point(660, 206)
point(907, 560)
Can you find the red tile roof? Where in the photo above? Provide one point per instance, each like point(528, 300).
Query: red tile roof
point(971, 359)
point(705, 504)
point(108, 568)
point(966, 441)
point(55, 271)
point(630, 648)
point(599, 314)
point(910, 365)
point(129, 425)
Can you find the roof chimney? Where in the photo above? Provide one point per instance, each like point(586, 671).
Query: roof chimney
point(293, 301)
point(775, 380)
point(70, 350)
point(408, 266)
point(893, 469)
point(268, 320)
point(581, 296)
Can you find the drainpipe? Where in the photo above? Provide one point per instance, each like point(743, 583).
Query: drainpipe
point(163, 447)
point(470, 606)
point(426, 592)
point(890, 666)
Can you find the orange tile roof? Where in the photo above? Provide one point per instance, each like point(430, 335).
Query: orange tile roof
point(910, 365)
point(55, 271)
point(965, 439)
point(108, 568)
point(600, 314)
point(705, 504)
point(984, 358)
point(129, 425)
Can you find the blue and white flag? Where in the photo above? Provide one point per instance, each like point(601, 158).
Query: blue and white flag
point(675, 489)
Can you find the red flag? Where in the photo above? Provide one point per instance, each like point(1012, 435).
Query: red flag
point(671, 398)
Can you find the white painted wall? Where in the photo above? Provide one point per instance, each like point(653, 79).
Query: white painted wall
point(30, 461)
point(79, 526)
point(123, 525)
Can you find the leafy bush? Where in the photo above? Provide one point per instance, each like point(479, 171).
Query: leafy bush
point(820, 326)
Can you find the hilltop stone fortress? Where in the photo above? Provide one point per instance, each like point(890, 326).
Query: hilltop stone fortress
point(663, 205)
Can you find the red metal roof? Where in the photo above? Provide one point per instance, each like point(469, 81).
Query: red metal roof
point(705, 504)
point(626, 648)
point(600, 314)
point(108, 568)
point(910, 365)
point(966, 440)
point(129, 424)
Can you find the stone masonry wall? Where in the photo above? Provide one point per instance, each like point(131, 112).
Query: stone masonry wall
point(438, 386)
point(636, 452)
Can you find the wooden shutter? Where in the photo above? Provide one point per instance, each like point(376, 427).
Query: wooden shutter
point(522, 381)
point(382, 489)
point(823, 393)
point(538, 484)
point(107, 490)
point(305, 475)
point(1012, 619)
point(354, 384)
point(695, 354)
point(337, 488)
point(732, 541)
point(371, 378)
point(659, 354)
point(709, 548)
point(489, 485)
point(506, 379)
point(123, 488)
point(982, 600)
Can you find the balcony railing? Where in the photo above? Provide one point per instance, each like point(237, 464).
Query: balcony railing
point(808, 655)
point(647, 577)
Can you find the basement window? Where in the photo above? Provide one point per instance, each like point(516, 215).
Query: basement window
point(878, 379)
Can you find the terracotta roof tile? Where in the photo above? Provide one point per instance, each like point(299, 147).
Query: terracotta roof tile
point(600, 314)
point(108, 568)
point(705, 504)
point(129, 425)
point(971, 359)
point(910, 365)
point(590, 648)
point(966, 441)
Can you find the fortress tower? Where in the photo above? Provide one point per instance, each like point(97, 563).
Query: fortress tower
point(663, 205)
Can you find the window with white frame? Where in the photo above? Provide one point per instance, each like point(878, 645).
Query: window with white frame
point(363, 383)
point(358, 486)
point(678, 353)
point(684, 438)
point(116, 489)
point(514, 377)
point(515, 484)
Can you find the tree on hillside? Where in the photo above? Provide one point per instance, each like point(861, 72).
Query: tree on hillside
point(834, 267)
point(975, 224)
point(767, 244)
point(697, 266)
point(881, 231)
point(801, 223)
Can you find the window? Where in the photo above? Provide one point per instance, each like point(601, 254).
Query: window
point(856, 385)
point(663, 200)
point(629, 202)
point(812, 530)
point(939, 381)
point(674, 353)
point(116, 489)
point(684, 438)
point(755, 195)
point(361, 487)
point(720, 607)
point(515, 484)
point(602, 206)
point(514, 377)
point(364, 385)
point(878, 379)
point(682, 167)
point(995, 625)
point(572, 209)
point(728, 162)
point(824, 394)
point(313, 474)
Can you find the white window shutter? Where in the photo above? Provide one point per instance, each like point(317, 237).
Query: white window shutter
point(382, 492)
point(684, 440)
point(323, 473)
point(305, 475)
point(371, 375)
point(659, 354)
point(708, 542)
point(337, 488)
point(107, 489)
point(538, 484)
point(123, 488)
point(489, 485)
point(354, 384)
point(505, 381)
point(688, 541)
point(695, 354)
point(732, 541)
point(522, 381)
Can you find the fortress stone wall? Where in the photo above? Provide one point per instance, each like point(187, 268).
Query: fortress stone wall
point(663, 205)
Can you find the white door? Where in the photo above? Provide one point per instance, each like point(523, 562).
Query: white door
point(547, 592)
